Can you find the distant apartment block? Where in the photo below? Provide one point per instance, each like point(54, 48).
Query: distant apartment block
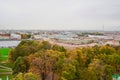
point(15, 36)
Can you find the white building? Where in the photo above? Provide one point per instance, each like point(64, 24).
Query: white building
point(15, 36)
point(101, 37)
point(38, 37)
point(112, 42)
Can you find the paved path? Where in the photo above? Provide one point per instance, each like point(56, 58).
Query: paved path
point(6, 70)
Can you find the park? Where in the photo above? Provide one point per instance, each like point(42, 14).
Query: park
point(5, 70)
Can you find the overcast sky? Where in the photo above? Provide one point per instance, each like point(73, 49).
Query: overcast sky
point(60, 14)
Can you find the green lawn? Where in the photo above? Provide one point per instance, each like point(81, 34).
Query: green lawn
point(3, 57)
point(4, 53)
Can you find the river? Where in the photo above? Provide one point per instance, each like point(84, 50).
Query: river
point(9, 43)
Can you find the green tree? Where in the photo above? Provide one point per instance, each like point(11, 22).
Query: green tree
point(96, 67)
point(58, 48)
point(86, 74)
point(68, 72)
point(26, 76)
point(108, 72)
point(30, 76)
point(18, 77)
point(25, 48)
point(45, 45)
point(25, 36)
point(107, 50)
point(20, 65)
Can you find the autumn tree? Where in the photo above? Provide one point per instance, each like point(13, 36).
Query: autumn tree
point(47, 62)
point(54, 62)
point(26, 76)
point(97, 68)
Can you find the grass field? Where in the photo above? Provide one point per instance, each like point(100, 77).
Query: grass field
point(4, 53)
point(3, 57)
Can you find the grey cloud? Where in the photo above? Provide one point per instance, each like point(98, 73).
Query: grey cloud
point(54, 14)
